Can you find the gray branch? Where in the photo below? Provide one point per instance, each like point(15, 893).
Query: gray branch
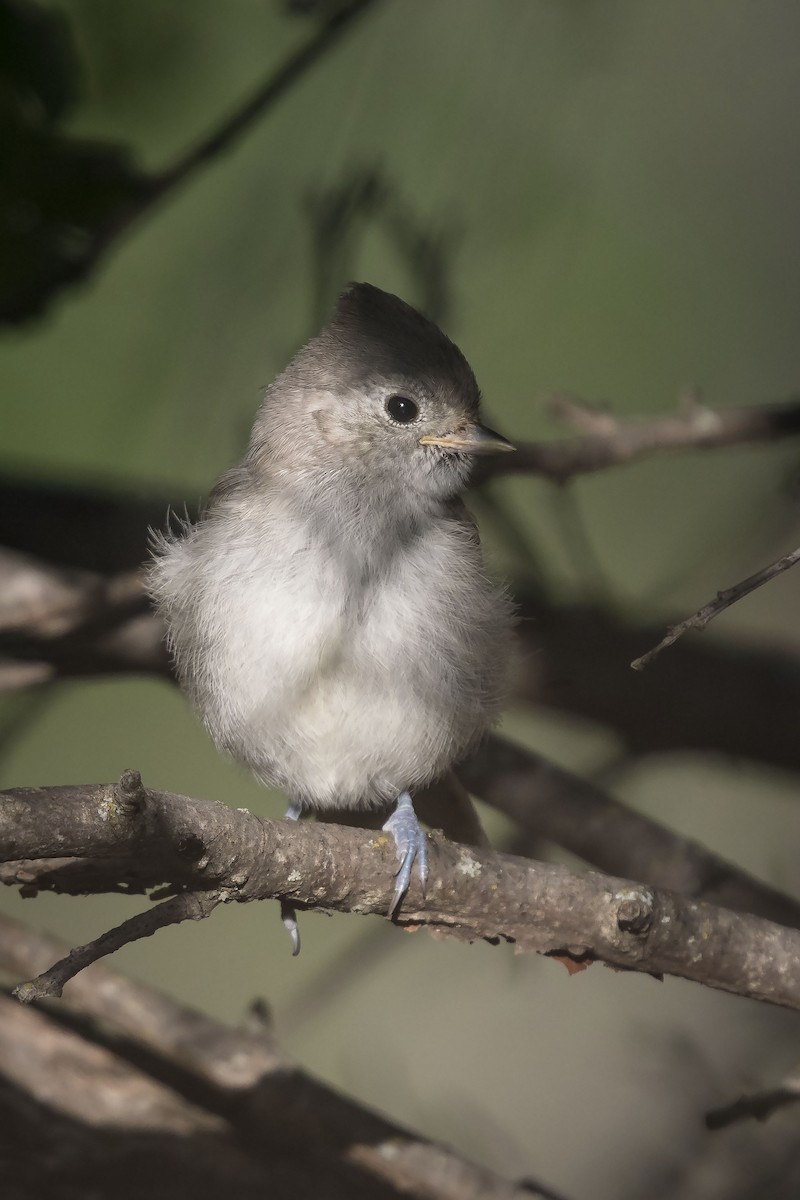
point(550, 802)
point(205, 847)
point(215, 1110)
point(613, 442)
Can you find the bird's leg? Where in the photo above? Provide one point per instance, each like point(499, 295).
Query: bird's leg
point(288, 914)
point(411, 845)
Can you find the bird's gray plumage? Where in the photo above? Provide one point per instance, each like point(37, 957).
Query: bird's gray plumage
point(330, 615)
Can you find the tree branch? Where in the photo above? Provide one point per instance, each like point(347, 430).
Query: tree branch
point(721, 601)
point(58, 621)
point(264, 96)
point(550, 802)
point(542, 798)
point(186, 906)
point(66, 620)
point(206, 847)
point(757, 1105)
point(724, 696)
point(614, 442)
point(283, 1119)
point(727, 697)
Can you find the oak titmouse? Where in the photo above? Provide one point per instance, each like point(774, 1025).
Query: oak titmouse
point(329, 615)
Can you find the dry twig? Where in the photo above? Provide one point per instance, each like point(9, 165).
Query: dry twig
point(721, 601)
point(757, 1105)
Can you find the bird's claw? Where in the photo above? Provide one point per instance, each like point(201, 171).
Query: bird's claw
point(289, 918)
point(412, 848)
point(288, 914)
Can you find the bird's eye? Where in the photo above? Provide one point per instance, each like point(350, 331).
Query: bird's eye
point(401, 409)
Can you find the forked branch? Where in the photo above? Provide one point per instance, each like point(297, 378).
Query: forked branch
point(204, 847)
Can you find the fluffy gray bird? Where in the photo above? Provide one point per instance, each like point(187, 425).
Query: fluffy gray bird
point(329, 615)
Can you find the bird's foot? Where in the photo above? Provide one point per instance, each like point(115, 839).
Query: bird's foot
point(289, 918)
point(412, 847)
point(288, 913)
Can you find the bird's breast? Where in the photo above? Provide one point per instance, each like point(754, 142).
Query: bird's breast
point(343, 673)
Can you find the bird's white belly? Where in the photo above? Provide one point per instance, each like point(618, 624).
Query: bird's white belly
point(330, 703)
point(342, 684)
point(342, 727)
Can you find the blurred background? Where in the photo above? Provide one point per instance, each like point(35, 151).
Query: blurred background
point(601, 197)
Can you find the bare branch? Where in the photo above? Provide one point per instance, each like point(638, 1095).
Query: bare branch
point(186, 906)
point(474, 893)
point(37, 599)
point(541, 797)
point(614, 442)
point(758, 1105)
point(264, 96)
point(285, 1121)
point(58, 621)
point(721, 601)
point(723, 696)
point(550, 802)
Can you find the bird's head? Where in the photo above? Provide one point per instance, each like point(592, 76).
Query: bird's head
point(382, 394)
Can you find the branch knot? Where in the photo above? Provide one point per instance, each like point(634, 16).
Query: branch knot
point(635, 912)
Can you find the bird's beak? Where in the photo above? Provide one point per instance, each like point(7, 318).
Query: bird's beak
point(473, 439)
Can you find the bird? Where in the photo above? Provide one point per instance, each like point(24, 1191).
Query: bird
point(330, 615)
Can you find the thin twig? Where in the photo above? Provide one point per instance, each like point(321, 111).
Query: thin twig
point(724, 696)
point(188, 906)
point(150, 190)
point(264, 96)
point(721, 601)
point(758, 1105)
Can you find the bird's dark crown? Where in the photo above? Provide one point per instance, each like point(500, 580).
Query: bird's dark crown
point(373, 332)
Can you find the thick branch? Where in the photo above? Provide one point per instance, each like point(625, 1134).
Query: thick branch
point(282, 1117)
point(58, 621)
point(542, 798)
point(723, 696)
point(553, 803)
point(78, 1120)
point(472, 893)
